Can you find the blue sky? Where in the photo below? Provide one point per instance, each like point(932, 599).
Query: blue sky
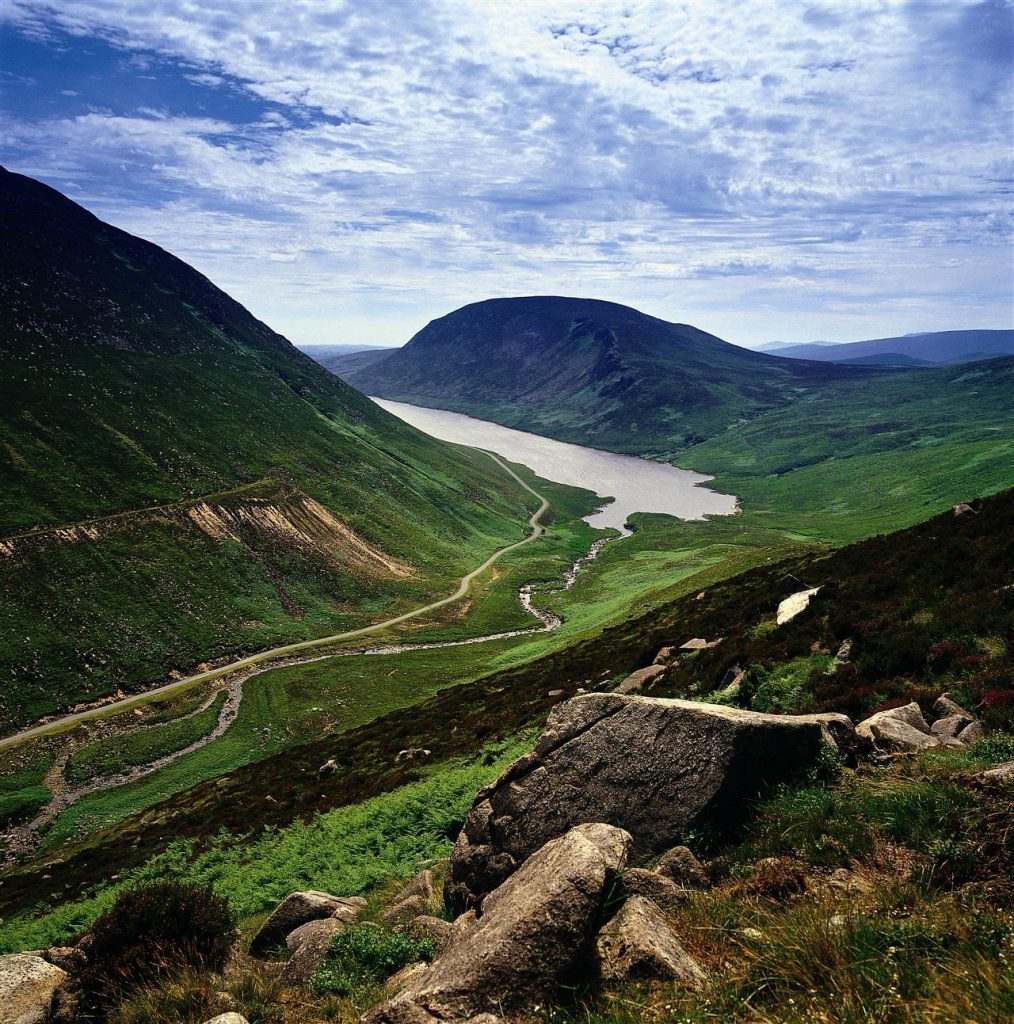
point(765, 171)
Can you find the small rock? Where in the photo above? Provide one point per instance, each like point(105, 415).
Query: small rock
point(944, 706)
point(753, 934)
point(555, 693)
point(1002, 774)
point(662, 891)
point(311, 948)
point(228, 1018)
point(698, 643)
point(435, 928)
point(794, 605)
point(412, 754)
point(327, 768)
point(403, 978)
point(844, 652)
point(638, 943)
point(297, 908)
point(405, 910)
point(962, 509)
point(639, 679)
point(682, 867)
point(949, 727)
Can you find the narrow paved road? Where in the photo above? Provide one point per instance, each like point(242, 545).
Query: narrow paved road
point(61, 724)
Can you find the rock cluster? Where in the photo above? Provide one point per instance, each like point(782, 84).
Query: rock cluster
point(650, 766)
point(905, 729)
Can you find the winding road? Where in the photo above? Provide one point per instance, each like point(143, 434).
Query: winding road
point(178, 685)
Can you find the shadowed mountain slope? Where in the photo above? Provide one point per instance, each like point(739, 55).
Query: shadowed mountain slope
point(587, 371)
point(177, 482)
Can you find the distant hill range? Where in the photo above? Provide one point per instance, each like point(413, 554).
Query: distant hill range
point(936, 348)
point(588, 371)
point(323, 352)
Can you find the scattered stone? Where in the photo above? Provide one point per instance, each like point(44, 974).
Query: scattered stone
point(638, 943)
point(944, 706)
point(405, 910)
point(962, 509)
point(1002, 774)
point(652, 766)
point(641, 678)
point(310, 949)
point(297, 908)
point(849, 882)
point(682, 867)
point(753, 934)
point(34, 991)
point(972, 732)
point(948, 728)
point(228, 1018)
point(327, 768)
point(794, 604)
point(403, 978)
point(412, 754)
point(898, 729)
point(435, 928)
point(844, 654)
point(698, 643)
point(555, 693)
point(662, 891)
point(532, 933)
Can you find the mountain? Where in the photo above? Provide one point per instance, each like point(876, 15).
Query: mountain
point(587, 371)
point(342, 363)
point(178, 483)
point(911, 349)
point(323, 352)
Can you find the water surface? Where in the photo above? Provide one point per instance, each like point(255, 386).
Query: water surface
point(635, 485)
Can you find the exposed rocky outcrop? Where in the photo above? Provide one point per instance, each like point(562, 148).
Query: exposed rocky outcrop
point(297, 909)
point(34, 991)
point(651, 766)
point(533, 931)
point(905, 729)
point(638, 943)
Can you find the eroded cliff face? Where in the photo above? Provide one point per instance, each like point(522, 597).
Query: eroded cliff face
point(287, 518)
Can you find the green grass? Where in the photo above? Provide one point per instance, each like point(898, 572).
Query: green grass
point(22, 788)
point(348, 851)
point(118, 753)
point(365, 955)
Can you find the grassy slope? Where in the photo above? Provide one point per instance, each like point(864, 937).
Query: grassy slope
point(129, 382)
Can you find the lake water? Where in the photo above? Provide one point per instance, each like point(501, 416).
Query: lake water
point(635, 485)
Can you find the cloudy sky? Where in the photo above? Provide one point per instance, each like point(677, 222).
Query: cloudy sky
point(350, 170)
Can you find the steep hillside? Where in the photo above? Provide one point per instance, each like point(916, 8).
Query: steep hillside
point(587, 371)
point(934, 347)
point(177, 482)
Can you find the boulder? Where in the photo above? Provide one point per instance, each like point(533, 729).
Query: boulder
point(679, 865)
point(311, 947)
point(399, 981)
point(641, 678)
point(68, 958)
point(34, 991)
point(662, 891)
point(972, 732)
point(948, 728)
point(435, 928)
point(228, 1018)
point(297, 908)
point(1001, 775)
point(844, 654)
point(794, 604)
point(533, 931)
point(698, 643)
point(651, 766)
point(944, 706)
point(405, 910)
point(898, 730)
point(638, 943)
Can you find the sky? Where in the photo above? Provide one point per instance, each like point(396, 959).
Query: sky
point(766, 171)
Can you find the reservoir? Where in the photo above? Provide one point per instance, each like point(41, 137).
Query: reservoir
point(635, 485)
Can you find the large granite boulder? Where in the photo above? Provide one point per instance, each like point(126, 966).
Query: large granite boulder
point(898, 730)
point(310, 943)
point(34, 991)
point(532, 933)
point(651, 766)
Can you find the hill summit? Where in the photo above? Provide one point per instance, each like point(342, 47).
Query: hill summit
point(585, 370)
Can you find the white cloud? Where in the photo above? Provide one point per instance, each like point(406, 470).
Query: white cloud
point(732, 164)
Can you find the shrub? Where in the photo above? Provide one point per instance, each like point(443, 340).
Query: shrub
point(156, 931)
point(366, 954)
